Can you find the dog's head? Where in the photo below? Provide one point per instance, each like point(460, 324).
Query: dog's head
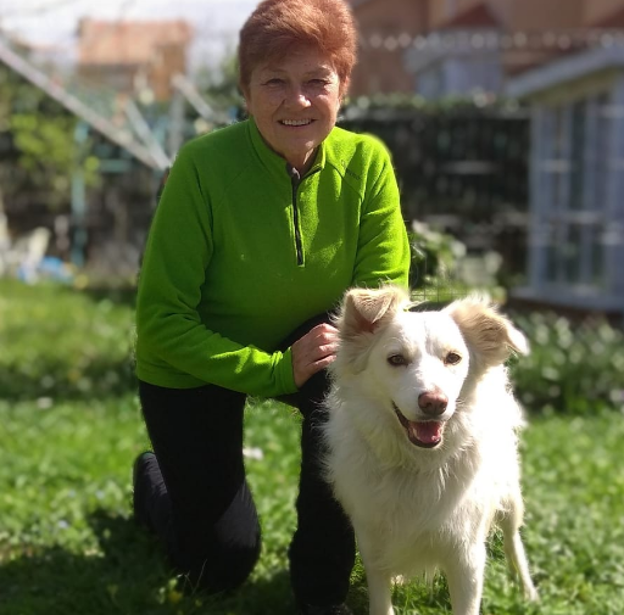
point(418, 366)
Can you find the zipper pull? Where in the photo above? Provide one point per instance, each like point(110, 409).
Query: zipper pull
point(295, 176)
point(295, 179)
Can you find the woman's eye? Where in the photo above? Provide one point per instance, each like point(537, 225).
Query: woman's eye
point(397, 359)
point(452, 358)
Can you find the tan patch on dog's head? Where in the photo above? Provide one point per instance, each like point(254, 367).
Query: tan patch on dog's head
point(489, 334)
point(364, 312)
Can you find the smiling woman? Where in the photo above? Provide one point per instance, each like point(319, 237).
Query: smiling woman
point(261, 228)
point(294, 103)
point(296, 78)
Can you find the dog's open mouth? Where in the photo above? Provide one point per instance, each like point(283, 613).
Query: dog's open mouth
point(426, 434)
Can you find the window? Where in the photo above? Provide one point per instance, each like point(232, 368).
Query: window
point(572, 203)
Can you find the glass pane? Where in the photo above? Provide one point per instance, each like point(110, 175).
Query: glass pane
point(602, 153)
point(577, 170)
point(571, 253)
point(552, 256)
point(556, 178)
point(559, 134)
point(550, 270)
point(597, 258)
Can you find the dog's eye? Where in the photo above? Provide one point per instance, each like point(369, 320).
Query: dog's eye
point(452, 358)
point(397, 359)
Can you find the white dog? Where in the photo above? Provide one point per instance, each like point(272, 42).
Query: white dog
point(422, 441)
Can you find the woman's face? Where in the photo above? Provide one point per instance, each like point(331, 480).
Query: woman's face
point(294, 101)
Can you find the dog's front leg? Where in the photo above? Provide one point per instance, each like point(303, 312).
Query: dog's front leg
point(378, 580)
point(379, 592)
point(464, 575)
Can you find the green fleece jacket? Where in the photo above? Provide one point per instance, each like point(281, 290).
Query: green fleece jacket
point(240, 253)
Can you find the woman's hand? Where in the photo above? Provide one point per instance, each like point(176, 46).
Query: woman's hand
point(314, 352)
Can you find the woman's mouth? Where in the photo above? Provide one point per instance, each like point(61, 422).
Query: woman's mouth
point(295, 123)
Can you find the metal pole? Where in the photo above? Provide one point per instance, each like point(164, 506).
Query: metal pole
point(79, 197)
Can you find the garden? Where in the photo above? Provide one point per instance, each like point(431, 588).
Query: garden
point(70, 427)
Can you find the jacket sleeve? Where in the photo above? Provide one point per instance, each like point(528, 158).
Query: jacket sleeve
point(177, 256)
point(383, 249)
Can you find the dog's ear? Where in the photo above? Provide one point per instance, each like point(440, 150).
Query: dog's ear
point(487, 332)
point(364, 310)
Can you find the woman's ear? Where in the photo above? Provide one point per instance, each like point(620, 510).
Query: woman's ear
point(343, 90)
point(244, 91)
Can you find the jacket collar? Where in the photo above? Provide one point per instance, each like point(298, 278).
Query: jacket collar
point(274, 163)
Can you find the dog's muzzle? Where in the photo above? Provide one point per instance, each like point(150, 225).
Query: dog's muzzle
point(426, 434)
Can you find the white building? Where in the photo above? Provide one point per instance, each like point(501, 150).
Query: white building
point(576, 236)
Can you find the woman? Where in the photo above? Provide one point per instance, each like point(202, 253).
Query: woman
point(260, 229)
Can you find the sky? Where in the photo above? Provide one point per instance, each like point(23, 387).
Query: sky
point(54, 22)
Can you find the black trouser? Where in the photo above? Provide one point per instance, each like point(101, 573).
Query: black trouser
point(201, 507)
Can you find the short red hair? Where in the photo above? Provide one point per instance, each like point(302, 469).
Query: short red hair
point(276, 26)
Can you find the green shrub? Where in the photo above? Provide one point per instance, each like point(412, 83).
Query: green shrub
point(434, 256)
point(572, 368)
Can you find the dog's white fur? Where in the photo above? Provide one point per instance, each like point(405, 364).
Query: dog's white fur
point(417, 509)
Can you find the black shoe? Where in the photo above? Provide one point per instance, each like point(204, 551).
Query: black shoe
point(139, 498)
point(332, 609)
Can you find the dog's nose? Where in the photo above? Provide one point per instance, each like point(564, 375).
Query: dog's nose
point(432, 403)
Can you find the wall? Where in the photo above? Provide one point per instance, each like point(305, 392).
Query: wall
point(599, 10)
point(541, 14)
point(382, 69)
point(521, 14)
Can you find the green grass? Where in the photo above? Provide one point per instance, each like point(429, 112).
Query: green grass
point(70, 427)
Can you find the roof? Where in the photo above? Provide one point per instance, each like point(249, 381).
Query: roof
point(478, 16)
point(566, 69)
point(128, 42)
point(613, 20)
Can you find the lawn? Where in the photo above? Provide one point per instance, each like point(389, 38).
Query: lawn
point(70, 427)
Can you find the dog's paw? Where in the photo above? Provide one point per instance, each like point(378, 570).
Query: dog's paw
point(531, 594)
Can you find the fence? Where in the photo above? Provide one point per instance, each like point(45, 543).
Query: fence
point(462, 169)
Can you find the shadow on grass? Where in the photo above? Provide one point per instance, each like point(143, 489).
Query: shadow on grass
point(128, 576)
point(119, 295)
point(100, 379)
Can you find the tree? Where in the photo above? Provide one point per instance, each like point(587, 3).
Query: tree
point(38, 148)
point(220, 86)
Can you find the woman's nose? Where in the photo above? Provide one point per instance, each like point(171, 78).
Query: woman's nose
point(297, 95)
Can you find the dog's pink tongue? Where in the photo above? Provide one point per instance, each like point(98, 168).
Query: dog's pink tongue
point(429, 432)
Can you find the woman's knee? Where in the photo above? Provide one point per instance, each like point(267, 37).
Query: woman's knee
point(222, 567)
point(220, 555)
